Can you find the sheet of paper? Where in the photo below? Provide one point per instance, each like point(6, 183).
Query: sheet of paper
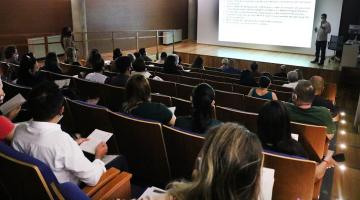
point(295, 136)
point(153, 192)
point(267, 183)
point(95, 138)
point(187, 70)
point(11, 104)
point(172, 109)
point(62, 83)
point(108, 158)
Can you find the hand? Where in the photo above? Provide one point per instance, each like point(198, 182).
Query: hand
point(13, 113)
point(81, 140)
point(101, 150)
point(330, 162)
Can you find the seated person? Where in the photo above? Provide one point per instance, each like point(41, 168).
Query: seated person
point(293, 78)
point(228, 167)
point(319, 86)
point(143, 55)
point(71, 57)
point(123, 65)
point(170, 66)
point(93, 57)
point(282, 72)
point(198, 63)
point(303, 111)
point(116, 54)
point(14, 112)
point(43, 139)
point(7, 129)
point(163, 56)
point(11, 55)
point(254, 70)
point(228, 68)
point(262, 91)
point(247, 79)
point(97, 75)
point(203, 117)
point(139, 67)
point(274, 133)
point(28, 74)
point(138, 102)
point(52, 63)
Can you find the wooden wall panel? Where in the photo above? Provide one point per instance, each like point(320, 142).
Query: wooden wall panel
point(115, 15)
point(32, 17)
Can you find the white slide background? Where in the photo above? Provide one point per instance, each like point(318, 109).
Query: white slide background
point(208, 21)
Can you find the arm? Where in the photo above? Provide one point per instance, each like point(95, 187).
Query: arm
point(172, 120)
point(274, 97)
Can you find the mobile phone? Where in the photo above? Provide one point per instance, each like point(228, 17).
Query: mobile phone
point(339, 157)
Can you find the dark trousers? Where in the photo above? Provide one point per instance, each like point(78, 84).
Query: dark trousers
point(320, 46)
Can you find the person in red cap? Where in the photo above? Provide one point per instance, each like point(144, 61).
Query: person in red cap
point(6, 129)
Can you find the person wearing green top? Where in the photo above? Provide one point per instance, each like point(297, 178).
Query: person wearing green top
point(302, 110)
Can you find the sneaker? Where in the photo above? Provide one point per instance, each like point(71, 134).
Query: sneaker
point(315, 61)
point(321, 64)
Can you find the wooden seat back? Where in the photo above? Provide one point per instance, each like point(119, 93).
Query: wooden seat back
point(220, 85)
point(229, 99)
point(242, 89)
point(163, 87)
point(252, 104)
point(184, 91)
point(183, 107)
point(249, 120)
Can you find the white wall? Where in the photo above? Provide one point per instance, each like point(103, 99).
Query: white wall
point(208, 17)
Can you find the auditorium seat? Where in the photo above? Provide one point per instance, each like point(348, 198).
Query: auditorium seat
point(192, 74)
point(279, 82)
point(110, 74)
point(220, 78)
point(163, 87)
point(182, 149)
point(280, 88)
point(294, 177)
point(12, 90)
point(24, 177)
point(242, 89)
point(283, 96)
point(183, 107)
point(54, 76)
point(164, 99)
point(168, 77)
point(86, 89)
point(253, 104)
point(218, 72)
point(224, 86)
point(189, 80)
point(73, 70)
point(330, 92)
point(229, 99)
point(111, 96)
point(184, 91)
point(141, 142)
point(249, 120)
point(87, 118)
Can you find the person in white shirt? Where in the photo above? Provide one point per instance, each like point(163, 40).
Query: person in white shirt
point(293, 78)
point(97, 75)
point(139, 67)
point(321, 40)
point(42, 138)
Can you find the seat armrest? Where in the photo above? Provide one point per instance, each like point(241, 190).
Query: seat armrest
point(117, 188)
point(105, 178)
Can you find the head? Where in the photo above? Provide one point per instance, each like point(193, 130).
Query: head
point(46, 102)
point(264, 82)
point(292, 76)
point(163, 55)
point(51, 59)
point(98, 65)
point(28, 64)
point(123, 64)
point(203, 101)
point(198, 62)
point(273, 123)
point(304, 93)
point(142, 51)
point(137, 90)
point(229, 167)
point(323, 17)
point(66, 31)
point(94, 56)
point(225, 62)
point(7, 129)
point(139, 65)
point(318, 84)
point(283, 68)
point(11, 53)
point(71, 54)
point(137, 55)
point(254, 66)
point(116, 53)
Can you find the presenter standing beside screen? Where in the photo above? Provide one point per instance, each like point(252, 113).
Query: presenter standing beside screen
point(321, 40)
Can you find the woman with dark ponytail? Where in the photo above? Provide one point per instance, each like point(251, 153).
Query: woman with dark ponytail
point(203, 118)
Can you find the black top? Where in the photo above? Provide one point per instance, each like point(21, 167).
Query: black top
point(54, 69)
point(30, 80)
point(153, 111)
point(118, 80)
point(186, 124)
point(321, 101)
point(290, 147)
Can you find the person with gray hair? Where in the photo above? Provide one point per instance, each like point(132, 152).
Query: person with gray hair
point(293, 78)
point(303, 111)
point(228, 68)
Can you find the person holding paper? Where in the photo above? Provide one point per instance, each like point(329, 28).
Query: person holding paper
point(11, 114)
point(321, 40)
point(43, 139)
